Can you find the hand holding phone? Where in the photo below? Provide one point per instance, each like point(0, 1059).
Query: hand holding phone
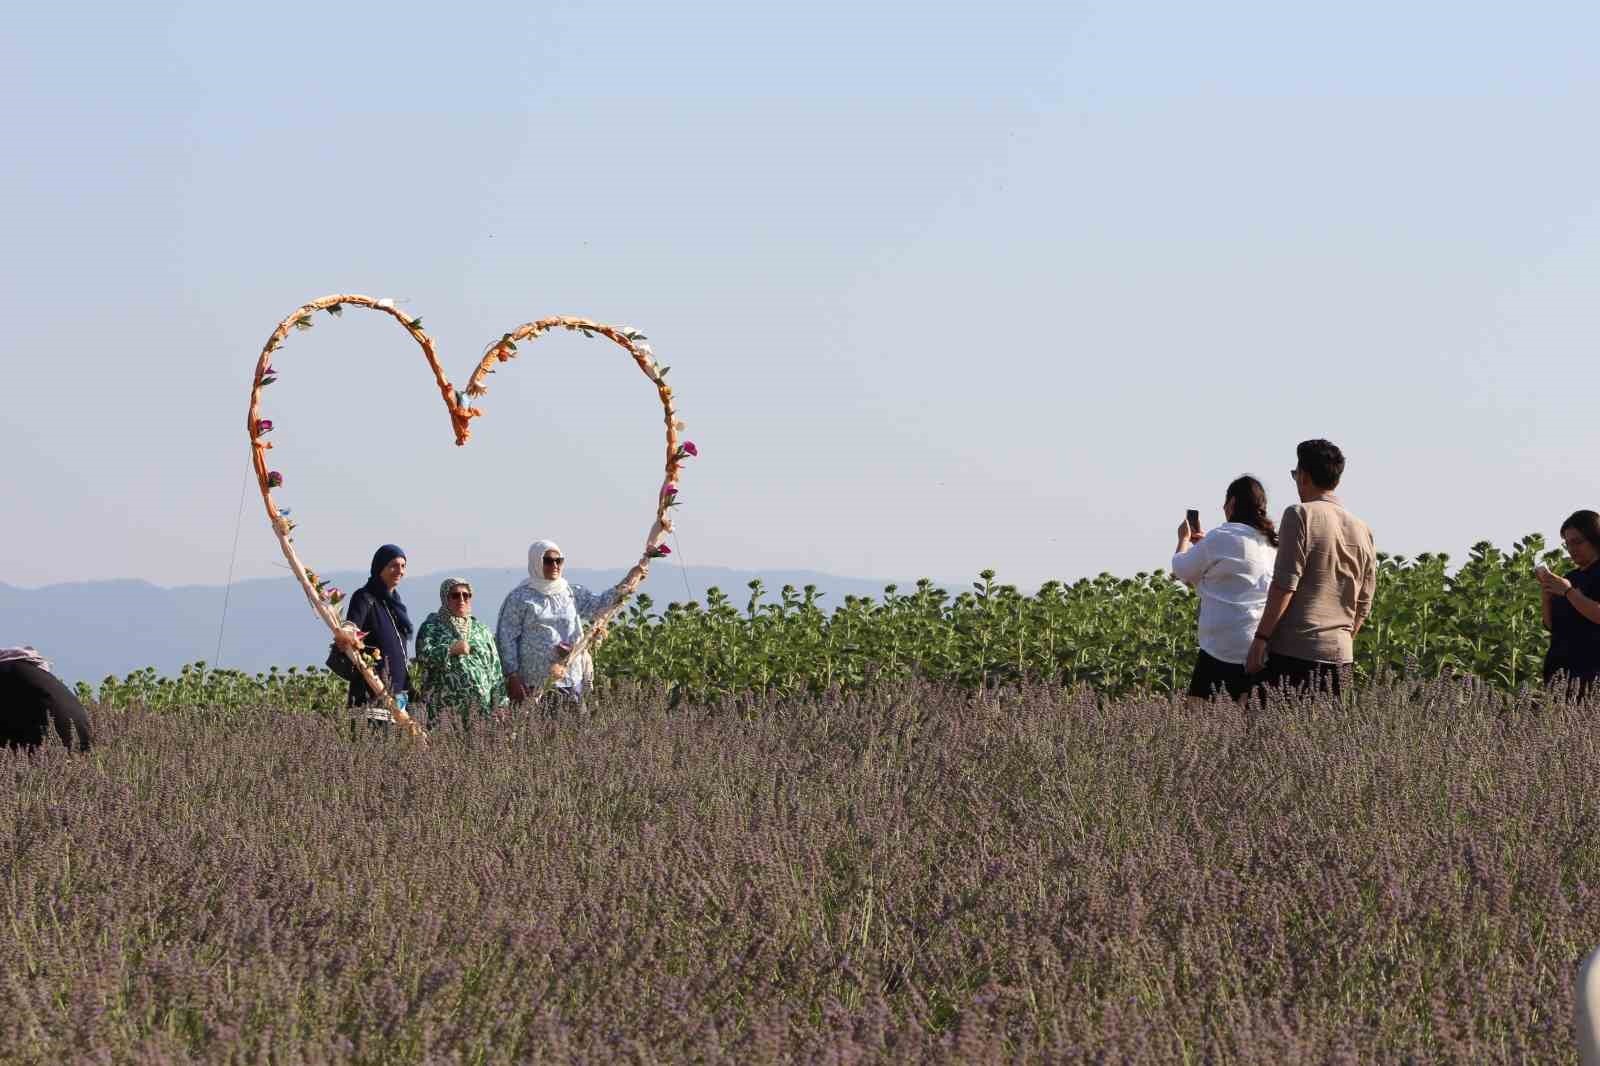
point(1194, 520)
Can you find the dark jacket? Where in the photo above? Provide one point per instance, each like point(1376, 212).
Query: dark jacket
point(372, 615)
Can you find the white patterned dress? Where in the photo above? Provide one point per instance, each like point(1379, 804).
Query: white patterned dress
point(532, 625)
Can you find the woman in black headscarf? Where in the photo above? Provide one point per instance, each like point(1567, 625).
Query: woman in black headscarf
point(377, 610)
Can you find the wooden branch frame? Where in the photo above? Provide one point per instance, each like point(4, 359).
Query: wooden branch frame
point(324, 598)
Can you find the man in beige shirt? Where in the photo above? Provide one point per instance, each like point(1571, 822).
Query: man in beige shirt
point(1322, 583)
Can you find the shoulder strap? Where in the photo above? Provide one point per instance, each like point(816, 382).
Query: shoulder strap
point(405, 656)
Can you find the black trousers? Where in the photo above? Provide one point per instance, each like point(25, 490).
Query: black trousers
point(30, 697)
point(1212, 677)
point(1572, 686)
point(1303, 676)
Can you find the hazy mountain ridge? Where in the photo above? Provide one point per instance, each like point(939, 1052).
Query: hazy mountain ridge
point(90, 629)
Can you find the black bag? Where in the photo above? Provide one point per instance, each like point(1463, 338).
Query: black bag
point(339, 664)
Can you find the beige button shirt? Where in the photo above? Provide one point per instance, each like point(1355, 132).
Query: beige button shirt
point(1326, 558)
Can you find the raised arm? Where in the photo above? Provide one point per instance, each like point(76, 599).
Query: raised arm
point(1193, 557)
point(590, 604)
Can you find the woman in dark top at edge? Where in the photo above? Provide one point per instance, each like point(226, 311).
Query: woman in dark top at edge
point(32, 699)
point(377, 610)
point(1572, 607)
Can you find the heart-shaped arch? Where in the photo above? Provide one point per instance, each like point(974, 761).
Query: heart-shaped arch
point(324, 597)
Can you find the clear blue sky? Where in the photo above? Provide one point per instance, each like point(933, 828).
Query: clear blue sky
point(943, 286)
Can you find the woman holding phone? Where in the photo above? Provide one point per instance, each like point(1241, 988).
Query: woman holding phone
point(1572, 607)
point(1231, 568)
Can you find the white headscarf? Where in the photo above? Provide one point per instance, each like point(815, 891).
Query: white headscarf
point(536, 578)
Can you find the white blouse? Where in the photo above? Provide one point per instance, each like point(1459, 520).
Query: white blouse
point(1231, 568)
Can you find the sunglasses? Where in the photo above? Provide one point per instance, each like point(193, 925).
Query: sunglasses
point(554, 560)
point(461, 595)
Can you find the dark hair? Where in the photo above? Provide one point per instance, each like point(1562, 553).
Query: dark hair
point(1321, 461)
point(1250, 506)
point(1587, 523)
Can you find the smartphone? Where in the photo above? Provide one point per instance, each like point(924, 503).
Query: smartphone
point(1194, 520)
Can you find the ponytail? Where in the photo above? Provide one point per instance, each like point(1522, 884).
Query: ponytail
point(1250, 506)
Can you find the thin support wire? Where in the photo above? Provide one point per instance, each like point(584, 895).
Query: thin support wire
point(227, 594)
point(682, 568)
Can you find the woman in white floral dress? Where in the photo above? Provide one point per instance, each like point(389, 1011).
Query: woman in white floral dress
point(540, 620)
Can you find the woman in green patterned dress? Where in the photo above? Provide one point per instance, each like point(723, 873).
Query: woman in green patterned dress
point(457, 654)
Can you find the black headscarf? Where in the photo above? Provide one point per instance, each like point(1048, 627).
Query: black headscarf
point(380, 559)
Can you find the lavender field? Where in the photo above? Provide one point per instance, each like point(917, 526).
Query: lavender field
point(907, 875)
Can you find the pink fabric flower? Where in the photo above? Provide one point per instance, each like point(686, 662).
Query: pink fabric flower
point(274, 479)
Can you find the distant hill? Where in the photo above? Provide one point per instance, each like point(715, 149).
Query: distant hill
point(90, 629)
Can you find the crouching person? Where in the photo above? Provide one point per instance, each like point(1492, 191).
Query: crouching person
point(31, 697)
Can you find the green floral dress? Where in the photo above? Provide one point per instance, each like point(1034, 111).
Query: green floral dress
point(462, 683)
